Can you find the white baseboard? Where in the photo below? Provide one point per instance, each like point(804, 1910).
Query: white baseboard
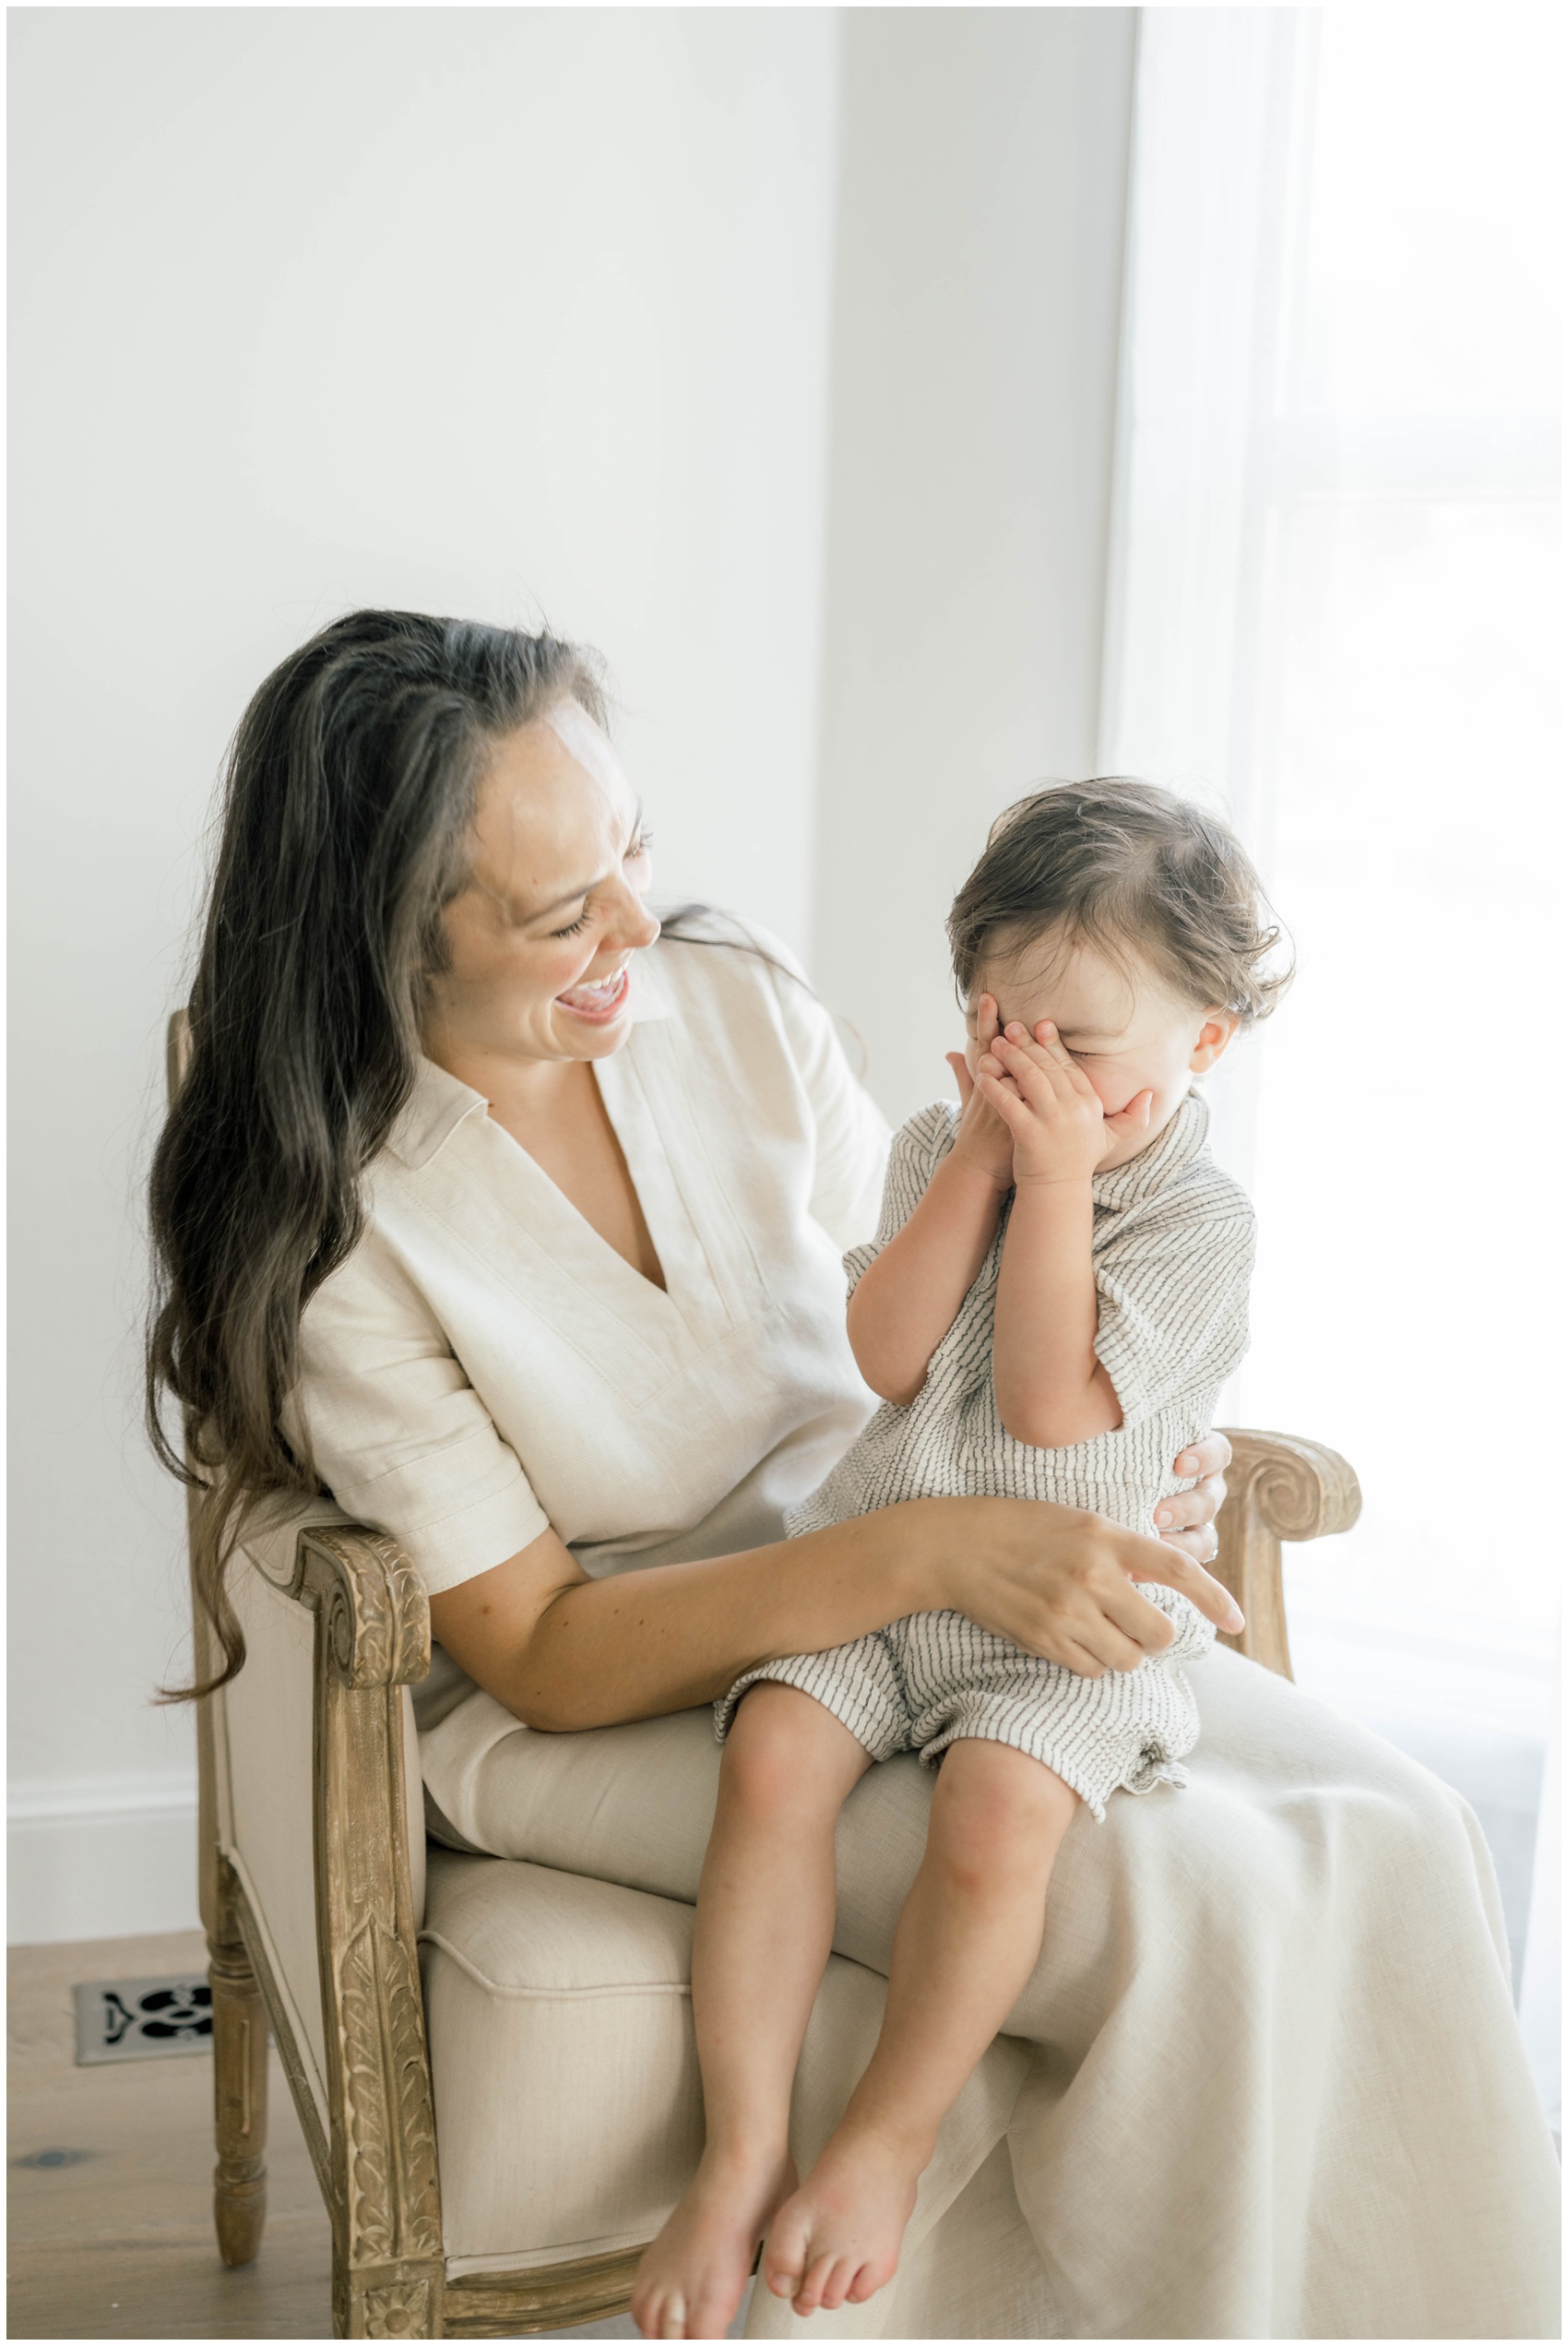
point(94, 1857)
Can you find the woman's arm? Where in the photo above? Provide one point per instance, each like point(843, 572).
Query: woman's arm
point(563, 1652)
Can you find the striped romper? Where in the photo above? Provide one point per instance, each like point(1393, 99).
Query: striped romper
point(1173, 1238)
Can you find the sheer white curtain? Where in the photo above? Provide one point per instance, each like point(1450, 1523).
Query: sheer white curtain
point(1332, 610)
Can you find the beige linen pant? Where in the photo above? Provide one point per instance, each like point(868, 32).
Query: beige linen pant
point(1264, 2082)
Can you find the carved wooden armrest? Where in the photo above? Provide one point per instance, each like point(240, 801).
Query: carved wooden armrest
point(373, 1640)
point(372, 1601)
point(1279, 1487)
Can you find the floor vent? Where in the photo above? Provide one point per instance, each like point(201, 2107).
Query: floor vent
point(142, 2019)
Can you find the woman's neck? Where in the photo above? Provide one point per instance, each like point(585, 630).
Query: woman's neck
point(524, 1094)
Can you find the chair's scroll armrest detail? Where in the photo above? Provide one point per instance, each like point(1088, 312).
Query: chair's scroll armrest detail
point(372, 1637)
point(1279, 1488)
point(372, 1604)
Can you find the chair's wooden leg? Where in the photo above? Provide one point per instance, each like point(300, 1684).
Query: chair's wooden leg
point(239, 2079)
point(389, 2305)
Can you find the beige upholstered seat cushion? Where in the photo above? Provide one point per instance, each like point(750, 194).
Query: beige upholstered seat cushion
point(567, 2106)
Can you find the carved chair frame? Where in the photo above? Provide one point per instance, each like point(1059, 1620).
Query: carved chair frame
point(378, 2165)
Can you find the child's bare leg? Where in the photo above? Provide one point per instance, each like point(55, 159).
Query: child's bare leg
point(966, 1941)
point(764, 1929)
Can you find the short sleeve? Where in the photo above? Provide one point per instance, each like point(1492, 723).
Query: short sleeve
point(852, 1132)
point(1174, 1295)
point(397, 1432)
point(917, 1148)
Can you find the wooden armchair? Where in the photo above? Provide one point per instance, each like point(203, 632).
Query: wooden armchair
point(312, 1867)
point(333, 1652)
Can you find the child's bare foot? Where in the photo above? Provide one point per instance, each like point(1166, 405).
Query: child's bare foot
point(693, 2277)
point(838, 2240)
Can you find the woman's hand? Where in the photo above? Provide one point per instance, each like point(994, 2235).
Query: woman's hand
point(1185, 1520)
point(1058, 1581)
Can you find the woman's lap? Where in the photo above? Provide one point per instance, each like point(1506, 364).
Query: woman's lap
point(1277, 1781)
point(1280, 2089)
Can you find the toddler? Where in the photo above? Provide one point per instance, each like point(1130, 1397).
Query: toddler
point(1057, 1291)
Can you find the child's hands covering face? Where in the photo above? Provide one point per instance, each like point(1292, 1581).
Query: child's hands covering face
point(1059, 1127)
point(984, 1141)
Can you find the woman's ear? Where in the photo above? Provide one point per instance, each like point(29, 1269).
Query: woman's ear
point(1217, 1028)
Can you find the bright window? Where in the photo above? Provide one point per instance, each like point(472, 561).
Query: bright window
point(1333, 610)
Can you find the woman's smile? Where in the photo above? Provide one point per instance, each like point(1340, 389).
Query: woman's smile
point(601, 1001)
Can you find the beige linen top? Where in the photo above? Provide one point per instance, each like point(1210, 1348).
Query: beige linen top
point(484, 1365)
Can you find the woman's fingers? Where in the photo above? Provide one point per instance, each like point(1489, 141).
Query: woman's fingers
point(1141, 1625)
point(1208, 1456)
point(1079, 1658)
point(964, 1079)
point(1115, 1646)
point(1175, 1570)
point(1201, 1543)
point(1194, 1509)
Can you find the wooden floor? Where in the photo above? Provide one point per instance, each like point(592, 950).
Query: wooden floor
point(118, 2242)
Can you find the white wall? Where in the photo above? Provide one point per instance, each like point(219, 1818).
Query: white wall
point(976, 327)
point(493, 311)
point(509, 312)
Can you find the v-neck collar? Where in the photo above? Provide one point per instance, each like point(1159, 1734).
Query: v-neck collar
point(713, 1282)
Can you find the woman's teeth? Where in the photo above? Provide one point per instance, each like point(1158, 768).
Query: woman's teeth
point(595, 999)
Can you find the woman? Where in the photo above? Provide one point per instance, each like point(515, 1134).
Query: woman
point(520, 1232)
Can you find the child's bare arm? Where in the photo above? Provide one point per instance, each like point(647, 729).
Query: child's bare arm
point(908, 1299)
point(1051, 1387)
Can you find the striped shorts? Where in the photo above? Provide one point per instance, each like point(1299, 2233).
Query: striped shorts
point(935, 1678)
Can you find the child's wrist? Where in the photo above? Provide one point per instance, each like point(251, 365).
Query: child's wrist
point(1079, 1181)
point(959, 1166)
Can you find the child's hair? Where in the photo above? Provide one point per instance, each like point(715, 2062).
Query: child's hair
point(1129, 868)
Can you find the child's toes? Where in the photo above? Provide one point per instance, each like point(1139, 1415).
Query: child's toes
point(836, 2287)
point(808, 2297)
point(870, 2279)
point(709, 2318)
point(670, 2319)
point(784, 2257)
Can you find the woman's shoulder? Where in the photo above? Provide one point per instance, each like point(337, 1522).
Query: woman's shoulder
point(707, 950)
point(714, 968)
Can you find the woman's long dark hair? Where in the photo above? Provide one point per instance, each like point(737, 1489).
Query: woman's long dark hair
point(351, 791)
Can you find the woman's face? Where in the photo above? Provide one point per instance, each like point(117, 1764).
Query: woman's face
point(541, 939)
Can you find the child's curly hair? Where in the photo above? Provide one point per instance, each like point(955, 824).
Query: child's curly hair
point(1128, 867)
